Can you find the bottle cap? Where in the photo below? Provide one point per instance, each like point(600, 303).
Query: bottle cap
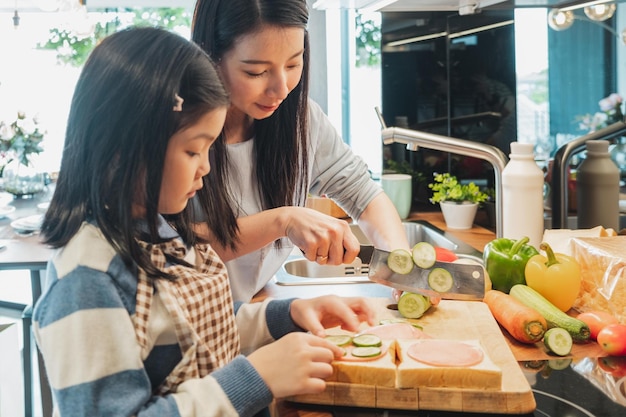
point(522, 148)
point(597, 146)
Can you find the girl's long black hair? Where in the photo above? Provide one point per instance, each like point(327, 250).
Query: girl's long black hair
point(120, 122)
point(281, 140)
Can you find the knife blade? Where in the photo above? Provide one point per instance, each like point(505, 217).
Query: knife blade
point(468, 280)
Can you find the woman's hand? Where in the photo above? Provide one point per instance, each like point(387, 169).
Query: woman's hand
point(321, 238)
point(317, 314)
point(297, 363)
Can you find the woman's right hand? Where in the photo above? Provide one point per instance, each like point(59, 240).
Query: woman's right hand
point(321, 238)
point(296, 364)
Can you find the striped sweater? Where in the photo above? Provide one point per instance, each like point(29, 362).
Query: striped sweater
point(83, 327)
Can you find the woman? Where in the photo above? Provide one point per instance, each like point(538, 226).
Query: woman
point(278, 146)
point(119, 325)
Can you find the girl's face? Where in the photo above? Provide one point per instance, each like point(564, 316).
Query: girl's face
point(262, 69)
point(187, 161)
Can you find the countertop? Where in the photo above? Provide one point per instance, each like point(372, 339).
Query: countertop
point(581, 389)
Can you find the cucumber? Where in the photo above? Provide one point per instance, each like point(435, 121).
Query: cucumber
point(424, 255)
point(400, 320)
point(440, 280)
point(366, 352)
point(339, 339)
point(367, 340)
point(559, 364)
point(554, 317)
point(558, 341)
point(412, 305)
point(400, 261)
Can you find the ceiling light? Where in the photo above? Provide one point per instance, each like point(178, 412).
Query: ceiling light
point(600, 12)
point(418, 39)
point(560, 19)
point(480, 29)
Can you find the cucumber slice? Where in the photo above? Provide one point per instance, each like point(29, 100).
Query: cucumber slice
point(400, 320)
point(558, 341)
point(400, 261)
point(366, 352)
point(424, 255)
point(339, 339)
point(412, 305)
point(440, 280)
point(366, 340)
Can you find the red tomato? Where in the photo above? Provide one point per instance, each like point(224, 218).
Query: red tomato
point(612, 339)
point(596, 320)
point(445, 255)
point(614, 365)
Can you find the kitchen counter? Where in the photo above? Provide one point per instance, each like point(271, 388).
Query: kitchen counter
point(581, 389)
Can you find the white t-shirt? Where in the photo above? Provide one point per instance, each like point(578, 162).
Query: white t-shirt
point(334, 171)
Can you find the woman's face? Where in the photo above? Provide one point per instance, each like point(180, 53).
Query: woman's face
point(187, 161)
point(263, 68)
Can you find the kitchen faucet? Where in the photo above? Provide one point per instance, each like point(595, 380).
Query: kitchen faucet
point(414, 139)
point(561, 163)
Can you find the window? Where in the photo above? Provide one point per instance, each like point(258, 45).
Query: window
point(38, 82)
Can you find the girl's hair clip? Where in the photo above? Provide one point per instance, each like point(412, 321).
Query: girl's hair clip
point(179, 103)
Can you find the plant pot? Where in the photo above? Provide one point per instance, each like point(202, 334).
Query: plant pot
point(458, 215)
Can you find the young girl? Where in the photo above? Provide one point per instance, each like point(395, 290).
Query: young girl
point(137, 317)
point(277, 146)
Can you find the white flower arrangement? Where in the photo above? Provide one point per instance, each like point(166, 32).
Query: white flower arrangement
point(20, 138)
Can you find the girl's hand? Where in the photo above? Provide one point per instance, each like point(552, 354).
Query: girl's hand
point(321, 238)
point(317, 314)
point(297, 363)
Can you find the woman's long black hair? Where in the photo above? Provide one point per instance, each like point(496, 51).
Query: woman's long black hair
point(281, 140)
point(120, 122)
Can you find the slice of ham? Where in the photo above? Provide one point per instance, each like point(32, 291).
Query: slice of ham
point(393, 331)
point(448, 353)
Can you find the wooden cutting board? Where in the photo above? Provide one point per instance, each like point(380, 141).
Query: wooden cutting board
point(457, 320)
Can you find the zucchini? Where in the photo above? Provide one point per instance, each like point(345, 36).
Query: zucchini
point(554, 317)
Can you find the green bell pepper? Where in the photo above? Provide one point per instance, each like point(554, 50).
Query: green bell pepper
point(505, 260)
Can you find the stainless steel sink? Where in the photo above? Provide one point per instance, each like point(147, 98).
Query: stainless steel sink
point(299, 271)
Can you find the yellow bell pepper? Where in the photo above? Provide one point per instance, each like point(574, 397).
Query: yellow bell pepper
point(555, 276)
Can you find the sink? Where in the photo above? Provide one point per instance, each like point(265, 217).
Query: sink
point(299, 271)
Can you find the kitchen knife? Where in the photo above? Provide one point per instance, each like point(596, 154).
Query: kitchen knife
point(468, 281)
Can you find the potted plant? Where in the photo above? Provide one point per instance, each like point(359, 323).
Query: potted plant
point(459, 202)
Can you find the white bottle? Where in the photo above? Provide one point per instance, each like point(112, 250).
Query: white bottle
point(522, 196)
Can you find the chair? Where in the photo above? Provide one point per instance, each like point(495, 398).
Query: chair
point(44, 386)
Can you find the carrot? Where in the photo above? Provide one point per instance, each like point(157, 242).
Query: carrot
point(525, 324)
